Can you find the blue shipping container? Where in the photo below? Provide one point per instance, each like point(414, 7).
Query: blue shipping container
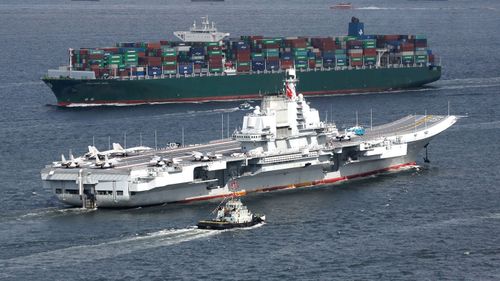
point(258, 68)
point(328, 55)
point(154, 70)
point(257, 63)
point(185, 68)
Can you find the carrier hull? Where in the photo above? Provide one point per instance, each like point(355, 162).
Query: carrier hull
point(281, 180)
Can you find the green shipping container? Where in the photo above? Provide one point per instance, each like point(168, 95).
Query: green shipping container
point(215, 70)
point(370, 58)
point(212, 53)
point(301, 65)
point(172, 71)
point(420, 36)
point(168, 49)
point(300, 58)
point(356, 59)
point(212, 43)
point(96, 52)
point(407, 57)
point(244, 63)
point(272, 53)
point(350, 38)
point(168, 54)
point(268, 41)
point(169, 63)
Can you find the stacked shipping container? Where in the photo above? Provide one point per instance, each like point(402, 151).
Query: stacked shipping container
point(252, 54)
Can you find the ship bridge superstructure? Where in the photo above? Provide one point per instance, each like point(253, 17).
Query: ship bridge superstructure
point(284, 122)
point(207, 32)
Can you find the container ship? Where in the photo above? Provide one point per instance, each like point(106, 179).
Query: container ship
point(204, 65)
point(281, 145)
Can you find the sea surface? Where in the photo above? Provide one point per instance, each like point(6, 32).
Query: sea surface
point(438, 222)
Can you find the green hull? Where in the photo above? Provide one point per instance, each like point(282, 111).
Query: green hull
point(244, 86)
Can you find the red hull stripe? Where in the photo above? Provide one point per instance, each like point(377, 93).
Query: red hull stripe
point(305, 184)
point(216, 98)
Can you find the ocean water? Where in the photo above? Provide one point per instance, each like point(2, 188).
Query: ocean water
point(438, 222)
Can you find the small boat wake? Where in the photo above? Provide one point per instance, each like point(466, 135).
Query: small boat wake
point(43, 213)
point(110, 249)
point(85, 253)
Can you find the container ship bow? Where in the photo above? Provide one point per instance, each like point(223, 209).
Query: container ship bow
point(281, 145)
point(206, 66)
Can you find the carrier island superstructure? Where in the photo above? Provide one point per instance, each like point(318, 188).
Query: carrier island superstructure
point(282, 145)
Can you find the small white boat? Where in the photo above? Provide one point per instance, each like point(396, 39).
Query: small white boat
point(245, 106)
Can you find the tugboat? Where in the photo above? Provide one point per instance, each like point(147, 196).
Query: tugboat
point(234, 214)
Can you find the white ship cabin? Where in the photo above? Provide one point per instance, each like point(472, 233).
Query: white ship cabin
point(284, 122)
point(206, 33)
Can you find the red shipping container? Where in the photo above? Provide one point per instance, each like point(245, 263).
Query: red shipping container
point(370, 52)
point(163, 42)
point(171, 58)
point(124, 73)
point(96, 56)
point(356, 63)
point(285, 64)
point(299, 44)
point(110, 49)
point(153, 45)
point(355, 55)
point(255, 37)
point(141, 54)
point(153, 61)
point(214, 48)
point(244, 68)
point(243, 57)
point(391, 37)
point(407, 47)
point(170, 67)
point(83, 51)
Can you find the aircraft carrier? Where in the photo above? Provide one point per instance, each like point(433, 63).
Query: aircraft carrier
point(282, 145)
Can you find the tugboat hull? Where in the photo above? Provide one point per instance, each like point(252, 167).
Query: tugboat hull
point(221, 225)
